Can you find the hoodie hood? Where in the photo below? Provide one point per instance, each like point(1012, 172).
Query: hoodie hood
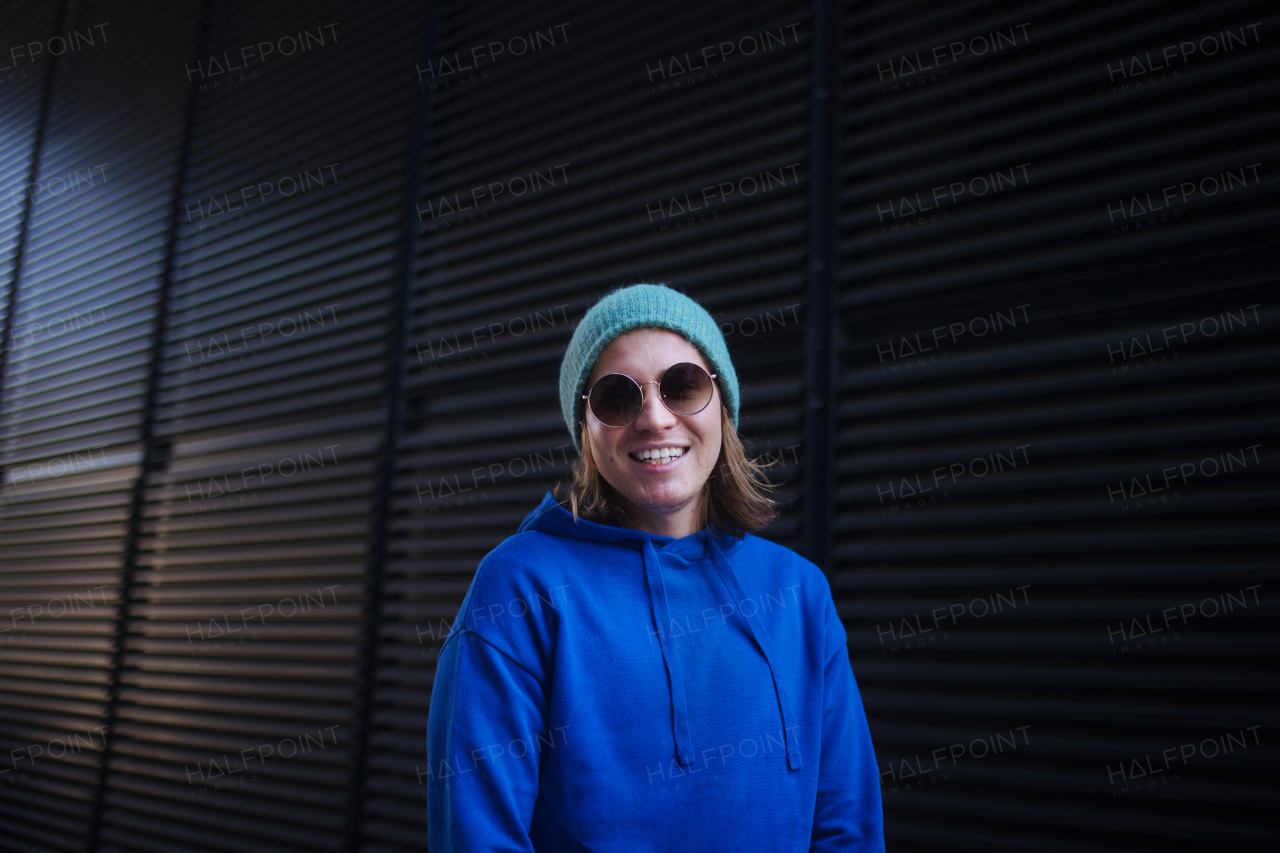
point(708, 546)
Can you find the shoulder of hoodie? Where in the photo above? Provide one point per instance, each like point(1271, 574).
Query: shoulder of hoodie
point(815, 588)
point(523, 562)
point(525, 576)
point(797, 565)
point(782, 560)
point(534, 554)
point(515, 598)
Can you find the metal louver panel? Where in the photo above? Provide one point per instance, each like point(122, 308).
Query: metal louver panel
point(242, 682)
point(581, 188)
point(1057, 420)
point(73, 402)
point(21, 95)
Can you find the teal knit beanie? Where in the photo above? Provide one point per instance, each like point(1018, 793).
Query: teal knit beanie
point(635, 307)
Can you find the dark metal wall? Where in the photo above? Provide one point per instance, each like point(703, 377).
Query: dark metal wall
point(283, 293)
point(1057, 419)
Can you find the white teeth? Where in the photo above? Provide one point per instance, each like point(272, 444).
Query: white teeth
point(659, 455)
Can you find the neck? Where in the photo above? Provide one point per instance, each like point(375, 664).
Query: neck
point(674, 521)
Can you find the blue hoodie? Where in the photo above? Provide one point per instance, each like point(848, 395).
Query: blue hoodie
point(608, 689)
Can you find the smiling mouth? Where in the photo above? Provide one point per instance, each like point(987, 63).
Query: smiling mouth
point(656, 459)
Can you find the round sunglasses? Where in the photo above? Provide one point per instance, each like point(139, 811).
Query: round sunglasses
point(616, 399)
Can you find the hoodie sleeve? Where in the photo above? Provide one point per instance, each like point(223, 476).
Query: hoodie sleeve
point(847, 815)
point(485, 726)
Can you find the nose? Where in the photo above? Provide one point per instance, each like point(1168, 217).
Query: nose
point(654, 415)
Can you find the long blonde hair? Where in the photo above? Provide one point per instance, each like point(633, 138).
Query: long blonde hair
point(734, 498)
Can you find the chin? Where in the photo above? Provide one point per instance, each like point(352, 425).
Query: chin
point(666, 505)
point(663, 500)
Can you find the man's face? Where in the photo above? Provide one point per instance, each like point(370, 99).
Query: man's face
point(669, 485)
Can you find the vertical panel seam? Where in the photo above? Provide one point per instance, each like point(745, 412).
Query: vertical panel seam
point(817, 403)
point(146, 439)
point(401, 311)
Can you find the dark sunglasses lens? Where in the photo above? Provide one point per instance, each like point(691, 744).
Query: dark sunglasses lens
point(686, 389)
point(615, 400)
